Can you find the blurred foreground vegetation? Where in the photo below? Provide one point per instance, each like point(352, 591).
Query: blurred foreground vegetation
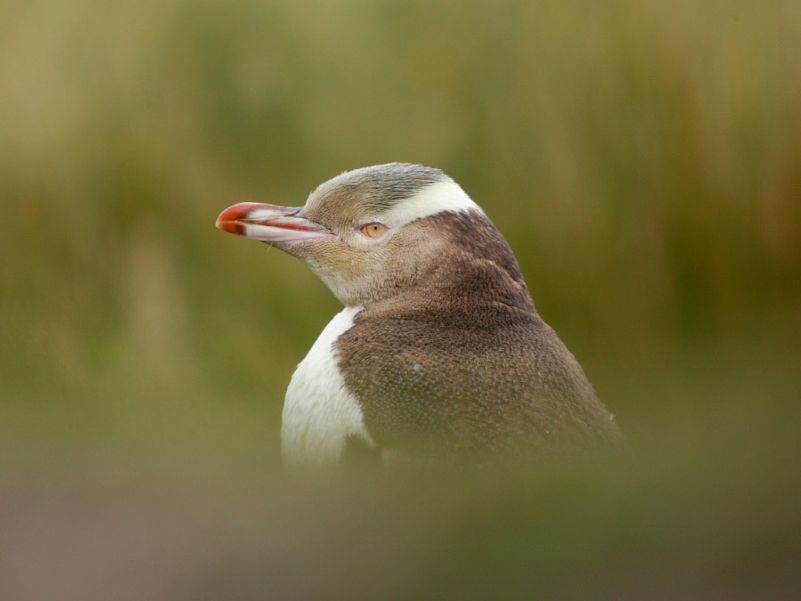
point(644, 160)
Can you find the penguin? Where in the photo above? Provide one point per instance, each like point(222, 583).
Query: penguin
point(439, 355)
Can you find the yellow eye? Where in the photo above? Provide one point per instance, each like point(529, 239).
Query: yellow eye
point(373, 230)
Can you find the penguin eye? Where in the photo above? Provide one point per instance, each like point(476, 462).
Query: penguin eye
point(373, 230)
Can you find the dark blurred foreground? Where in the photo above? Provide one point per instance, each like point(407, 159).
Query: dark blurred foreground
point(704, 507)
point(596, 530)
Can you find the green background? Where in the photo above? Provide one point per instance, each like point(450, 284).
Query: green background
point(642, 157)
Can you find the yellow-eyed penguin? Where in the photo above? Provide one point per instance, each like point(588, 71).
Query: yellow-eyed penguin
point(439, 354)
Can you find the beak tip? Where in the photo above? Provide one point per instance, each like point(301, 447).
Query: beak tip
point(231, 227)
point(228, 220)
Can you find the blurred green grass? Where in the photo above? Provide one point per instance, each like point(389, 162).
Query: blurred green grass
point(643, 158)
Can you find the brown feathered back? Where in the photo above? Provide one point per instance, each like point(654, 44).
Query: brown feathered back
point(460, 364)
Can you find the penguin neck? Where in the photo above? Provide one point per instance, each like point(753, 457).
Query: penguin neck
point(466, 281)
point(475, 271)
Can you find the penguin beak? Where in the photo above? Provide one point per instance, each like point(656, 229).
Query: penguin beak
point(269, 223)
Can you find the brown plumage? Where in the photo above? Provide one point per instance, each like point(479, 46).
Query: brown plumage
point(443, 355)
point(462, 365)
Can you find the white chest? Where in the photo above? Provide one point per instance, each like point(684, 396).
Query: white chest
point(319, 412)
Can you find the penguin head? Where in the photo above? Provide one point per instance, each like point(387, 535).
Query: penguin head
point(368, 234)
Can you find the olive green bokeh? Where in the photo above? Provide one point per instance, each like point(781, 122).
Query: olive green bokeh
point(643, 159)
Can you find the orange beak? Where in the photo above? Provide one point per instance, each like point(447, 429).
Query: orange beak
point(269, 223)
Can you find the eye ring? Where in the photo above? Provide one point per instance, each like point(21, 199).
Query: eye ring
point(373, 230)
